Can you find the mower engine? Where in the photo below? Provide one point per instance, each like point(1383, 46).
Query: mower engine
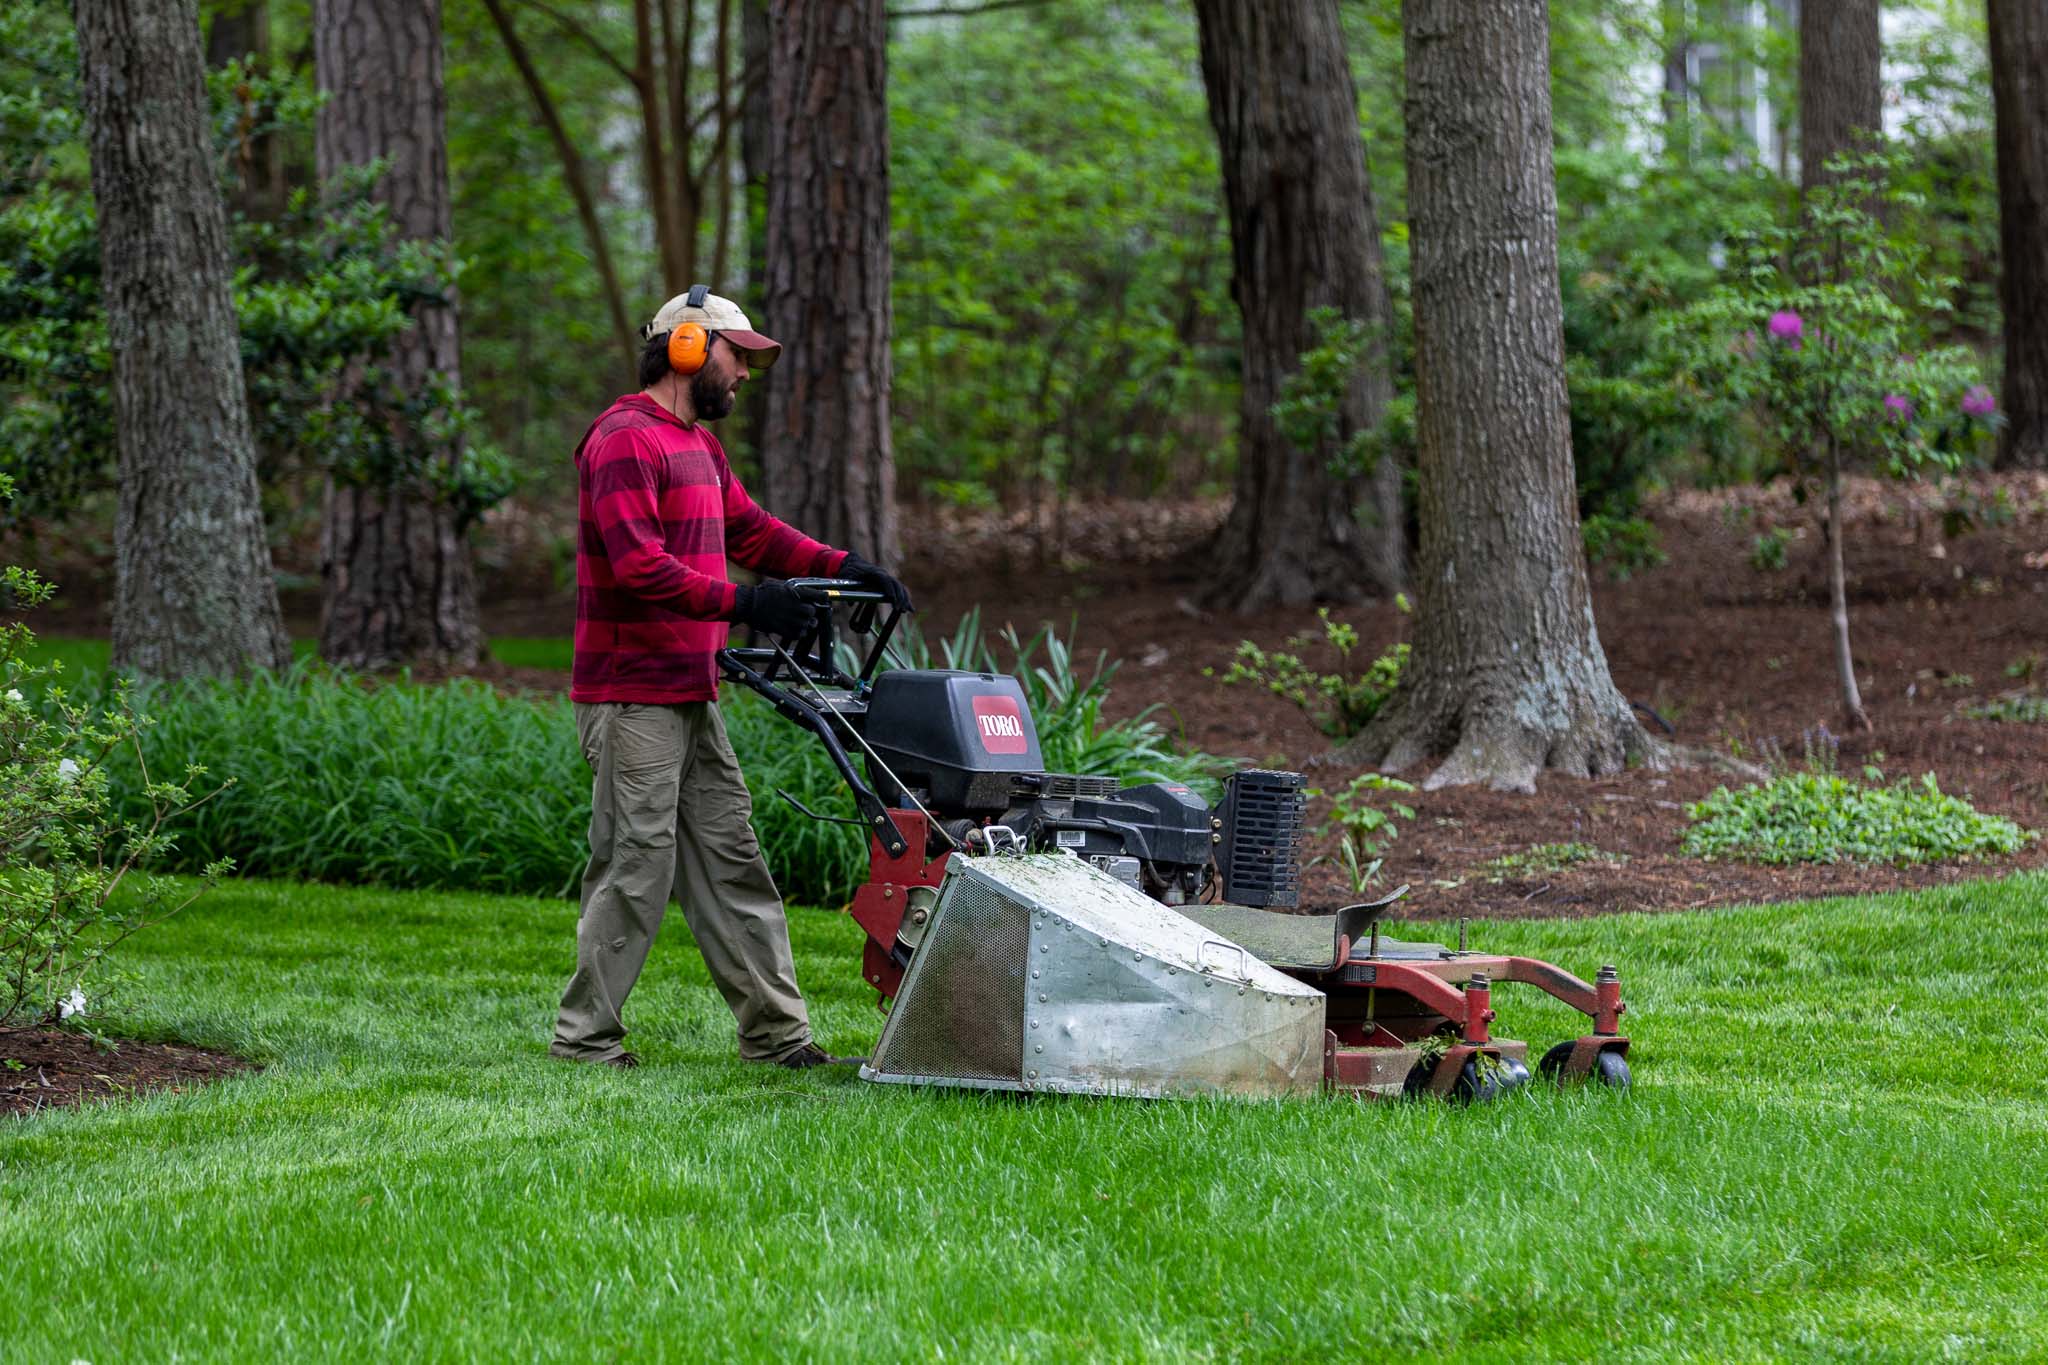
point(963, 747)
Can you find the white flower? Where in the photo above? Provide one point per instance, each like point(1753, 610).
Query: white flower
point(14, 694)
point(71, 1004)
point(67, 770)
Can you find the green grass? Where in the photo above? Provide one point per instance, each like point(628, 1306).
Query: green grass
point(1837, 1148)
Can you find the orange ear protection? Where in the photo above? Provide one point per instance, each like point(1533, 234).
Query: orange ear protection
point(689, 344)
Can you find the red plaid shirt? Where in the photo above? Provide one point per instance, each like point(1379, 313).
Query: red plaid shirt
point(660, 511)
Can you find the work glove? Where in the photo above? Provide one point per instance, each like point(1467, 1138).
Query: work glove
point(877, 579)
point(774, 607)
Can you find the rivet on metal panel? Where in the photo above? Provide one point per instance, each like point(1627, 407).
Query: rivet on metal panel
point(1034, 1023)
point(1041, 997)
point(1038, 1047)
point(1034, 973)
point(1034, 1075)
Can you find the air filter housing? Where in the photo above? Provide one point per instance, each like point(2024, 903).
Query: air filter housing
point(1041, 972)
point(1259, 853)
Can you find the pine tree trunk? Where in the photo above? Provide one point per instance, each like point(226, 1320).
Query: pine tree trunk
point(1841, 91)
point(1303, 235)
point(2019, 91)
point(826, 459)
point(398, 581)
point(193, 592)
point(1506, 675)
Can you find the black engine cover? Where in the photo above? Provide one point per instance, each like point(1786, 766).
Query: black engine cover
point(956, 736)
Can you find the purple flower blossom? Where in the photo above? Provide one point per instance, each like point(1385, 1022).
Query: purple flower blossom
point(1978, 402)
point(1787, 325)
point(1898, 407)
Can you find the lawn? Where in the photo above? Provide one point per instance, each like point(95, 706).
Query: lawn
point(1837, 1145)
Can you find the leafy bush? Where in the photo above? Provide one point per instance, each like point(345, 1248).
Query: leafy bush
point(1337, 704)
point(66, 850)
point(1366, 828)
point(1622, 546)
point(321, 294)
point(1767, 551)
point(457, 785)
point(1820, 818)
point(2021, 708)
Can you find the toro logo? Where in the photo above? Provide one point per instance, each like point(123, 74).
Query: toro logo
point(1000, 725)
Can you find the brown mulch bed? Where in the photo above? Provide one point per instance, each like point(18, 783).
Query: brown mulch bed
point(1737, 660)
point(49, 1068)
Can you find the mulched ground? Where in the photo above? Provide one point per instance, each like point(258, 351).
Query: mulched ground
point(1737, 659)
point(46, 1068)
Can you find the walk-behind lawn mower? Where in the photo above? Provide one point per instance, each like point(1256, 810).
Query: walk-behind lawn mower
point(1057, 932)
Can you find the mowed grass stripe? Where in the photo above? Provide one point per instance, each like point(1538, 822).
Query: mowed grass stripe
point(1836, 1148)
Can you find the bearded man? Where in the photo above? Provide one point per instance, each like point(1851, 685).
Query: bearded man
point(661, 514)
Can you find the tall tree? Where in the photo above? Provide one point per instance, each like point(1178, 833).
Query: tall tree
point(827, 462)
point(193, 592)
point(1841, 90)
point(1303, 236)
point(2019, 93)
point(395, 555)
point(1506, 673)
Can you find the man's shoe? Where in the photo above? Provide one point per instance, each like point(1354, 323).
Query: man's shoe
point(810, 1055)
point(625, 1061)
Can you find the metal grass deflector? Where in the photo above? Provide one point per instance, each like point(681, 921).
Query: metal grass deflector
point(1044, 973)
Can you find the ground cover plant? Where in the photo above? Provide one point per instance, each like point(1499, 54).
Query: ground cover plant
point(409, 1175)
point(1818, 817)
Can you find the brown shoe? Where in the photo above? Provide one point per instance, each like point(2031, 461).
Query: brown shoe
point(810, 1055)
point(625, 1061)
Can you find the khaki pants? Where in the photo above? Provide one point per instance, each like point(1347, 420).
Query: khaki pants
point(670, 811)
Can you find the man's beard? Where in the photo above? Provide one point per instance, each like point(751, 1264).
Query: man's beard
point(710, 396)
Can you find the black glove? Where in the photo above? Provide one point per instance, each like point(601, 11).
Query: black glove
point(877, 579)
point(773, 606)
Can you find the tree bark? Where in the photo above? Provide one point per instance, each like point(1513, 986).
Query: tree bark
point(1303, 235)
point(193, 592)
point(398, 580)
point(826, 459)
point(1506, 673)
point(754, 114)
point(1841, 90)
point(2019, 92)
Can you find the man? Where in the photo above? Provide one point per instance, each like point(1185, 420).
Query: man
point(661, 512)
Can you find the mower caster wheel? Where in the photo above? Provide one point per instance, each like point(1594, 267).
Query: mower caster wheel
point(1609, 1068)
point(1476, 1084)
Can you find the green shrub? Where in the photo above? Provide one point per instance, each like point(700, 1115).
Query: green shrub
point(1366, 828)
point(1621, 546)
point(1821, 818)
point(66, 848)
point(1767, 552)
point(2019, 708)
point(1337, 704)
point(457, 785)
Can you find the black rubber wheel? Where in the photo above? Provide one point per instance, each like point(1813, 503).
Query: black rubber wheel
point(1609, 1068)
